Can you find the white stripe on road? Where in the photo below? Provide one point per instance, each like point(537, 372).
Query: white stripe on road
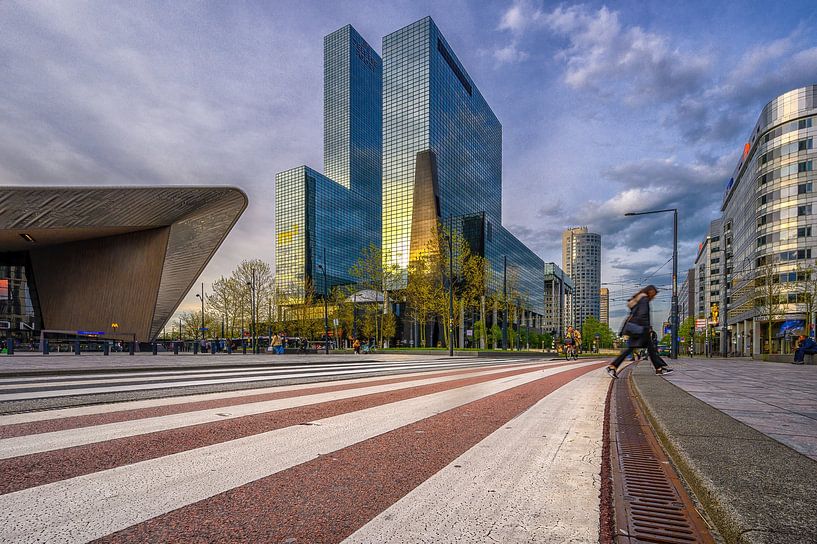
point(29, 417)
point(534, 480)
point(29, 395)
point(56, 440)
point(128, 377)
point(92, 506)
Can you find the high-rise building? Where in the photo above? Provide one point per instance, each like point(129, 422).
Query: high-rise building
point(768, 226)
point(558, 300)
point(442, 159)
point(686, 296)
point(338, 214)
point(604, 306)
point(581, 259)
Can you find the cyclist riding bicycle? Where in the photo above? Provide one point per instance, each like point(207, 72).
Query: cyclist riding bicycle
point(572, 342)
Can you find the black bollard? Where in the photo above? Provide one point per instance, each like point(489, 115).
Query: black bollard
point(175, 348)
point(214, 347)
point(132, 348)
point(10, 346)
point(106, 348)
point(243, 347)
point(195, 348)
point(76, 347)
point(155, 348)
point(45, 347)
point(229, 348)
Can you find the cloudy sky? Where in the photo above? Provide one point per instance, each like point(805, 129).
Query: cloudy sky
point(606, 107)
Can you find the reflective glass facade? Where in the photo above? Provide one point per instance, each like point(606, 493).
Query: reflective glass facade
point(430, 103)
point(352, 114)
point(337, 213)
point(769, 212)
point(19, 308)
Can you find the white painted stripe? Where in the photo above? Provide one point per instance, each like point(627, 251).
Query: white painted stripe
point(87, 507)
point(56, 440)
point(536, 479)
point(127, 377)
point(93, 409)
point(124, 378)
point(29, 395)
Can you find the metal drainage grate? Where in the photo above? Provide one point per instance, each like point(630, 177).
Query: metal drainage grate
point(651, 504)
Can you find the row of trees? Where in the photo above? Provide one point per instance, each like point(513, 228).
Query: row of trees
point(363, 309)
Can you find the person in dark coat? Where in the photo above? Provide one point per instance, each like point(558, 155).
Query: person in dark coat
point(637, 328)
point(807, 345)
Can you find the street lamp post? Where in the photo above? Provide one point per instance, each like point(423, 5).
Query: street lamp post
point(675, 326)
point(507, 306)
point(322, 267)
point(251, 285)
point(201, 297)
point(450, 239)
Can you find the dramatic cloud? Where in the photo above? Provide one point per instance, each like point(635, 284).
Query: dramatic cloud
point(601, 50)
point(509, 54)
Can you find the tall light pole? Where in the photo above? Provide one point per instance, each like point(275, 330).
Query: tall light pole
point(201, 297)
point(505, 296)
point(675, 326)
point(251, 285)
point(450, 239)
point(322, 267)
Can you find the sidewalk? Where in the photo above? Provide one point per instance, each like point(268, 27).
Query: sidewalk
point(744, 435)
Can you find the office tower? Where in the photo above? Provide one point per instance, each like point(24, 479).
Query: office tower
point(442, 160)
point(558, 300)
point(604, 306)
point(767, 228)
point(336, 214)
point(581, 260)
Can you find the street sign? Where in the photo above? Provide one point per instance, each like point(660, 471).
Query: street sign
point(335, 322)
point(203, 329)
point(701, 324)
point(90, 333)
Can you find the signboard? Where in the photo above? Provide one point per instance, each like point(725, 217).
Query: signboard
point(469, 332)
point(335, 322)
point(203, 329)
point(701, 324)
point(90, 333)
point(667, 329)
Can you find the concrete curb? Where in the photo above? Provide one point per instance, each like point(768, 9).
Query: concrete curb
point(753, 488)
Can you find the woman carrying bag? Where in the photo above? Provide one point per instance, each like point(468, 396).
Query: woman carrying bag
point(637, 328)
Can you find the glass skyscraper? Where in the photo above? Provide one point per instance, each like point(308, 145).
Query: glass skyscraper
point(442, 158)
point(336, 214)
point(437, 158)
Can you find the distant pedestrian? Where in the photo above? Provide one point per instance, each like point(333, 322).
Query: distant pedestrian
point(637, 328)
point(806, 345)
point(356, 346)
point(276, 343)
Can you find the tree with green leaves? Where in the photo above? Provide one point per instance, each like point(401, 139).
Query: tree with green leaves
point(767, 297)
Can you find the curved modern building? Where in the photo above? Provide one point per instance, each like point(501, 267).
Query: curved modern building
point(769, 214)
point(83, 258)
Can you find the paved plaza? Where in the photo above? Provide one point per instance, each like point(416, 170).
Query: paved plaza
point(777, 399)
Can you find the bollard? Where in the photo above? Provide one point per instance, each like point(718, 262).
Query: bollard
point(243, 347)
point(229, 348)
point(76, 347)
point(45, 347)
point(175, 348)
point(155, 348)
point(195, 348)
point(10, 346)
point(213, 347)
point(132, 348)
point(106, 348)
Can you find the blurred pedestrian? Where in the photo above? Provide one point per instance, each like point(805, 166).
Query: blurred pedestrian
point(637, 328)
point(356, 346)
